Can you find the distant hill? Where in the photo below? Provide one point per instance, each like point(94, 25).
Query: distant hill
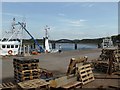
point(95, 41)
point(64, 41)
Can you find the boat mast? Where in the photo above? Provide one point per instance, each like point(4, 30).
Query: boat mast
point(21, 39)
point(46, 31)
point(47, 48)
point(19, 32)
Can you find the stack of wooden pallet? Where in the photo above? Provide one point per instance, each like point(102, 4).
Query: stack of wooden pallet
point(26, 69)
point(109, 61)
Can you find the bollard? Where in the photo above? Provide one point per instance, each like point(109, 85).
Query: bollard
point(75, 46)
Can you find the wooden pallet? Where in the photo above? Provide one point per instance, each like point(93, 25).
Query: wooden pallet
point(25, 60)
point(86, 74)
point(26, 74)
point(7, 86)
point(27, 71)
point(72, 65)
point(33, 84)
point(25, 64)
point(29, 66)
point(25, 68)
point(27, 77)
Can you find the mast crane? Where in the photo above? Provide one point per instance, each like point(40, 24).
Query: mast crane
point(23, 26)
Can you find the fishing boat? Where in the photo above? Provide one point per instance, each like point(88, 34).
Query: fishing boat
point(47, 46)
point(107, 43)
point(11, 42)
point(46, 40)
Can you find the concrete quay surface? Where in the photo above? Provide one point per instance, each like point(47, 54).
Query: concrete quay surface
point(57, 63)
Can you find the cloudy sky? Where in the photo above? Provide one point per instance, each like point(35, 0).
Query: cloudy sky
point(70, 20)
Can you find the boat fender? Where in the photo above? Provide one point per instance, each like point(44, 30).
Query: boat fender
point(10, 52)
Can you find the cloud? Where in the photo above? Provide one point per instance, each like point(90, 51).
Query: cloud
point(82, 20)
point(77, 23)
point(70, 4)
point(61, 14)
point(11, 14)
point(74, 22)
point(88, 5)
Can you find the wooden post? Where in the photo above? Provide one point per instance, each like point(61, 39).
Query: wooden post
point(24, 49)
point(75, 46)
point(28, 47)
point(111, 59)
point(34, 45)
point(43, 42)
point(53, 45)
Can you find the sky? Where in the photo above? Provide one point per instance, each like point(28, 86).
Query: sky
point(69, 20)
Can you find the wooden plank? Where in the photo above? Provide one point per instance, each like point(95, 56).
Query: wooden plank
point(72, 85)
point(88, 69)
point(62, 81)
point(84, 74)
point(4, 85)
point(115, 87)
point(90, 72)
point(36, 83)
point(84, 67)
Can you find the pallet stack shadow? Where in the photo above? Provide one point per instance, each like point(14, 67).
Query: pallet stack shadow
point(26, 69)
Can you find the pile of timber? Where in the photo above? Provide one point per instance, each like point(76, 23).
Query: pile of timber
point(72, 68)
point(82, 68)
point(79, 73)
point(66, 82)
point(26, 69)
point(109, 61)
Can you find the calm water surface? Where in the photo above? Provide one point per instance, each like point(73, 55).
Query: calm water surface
point(71, 46)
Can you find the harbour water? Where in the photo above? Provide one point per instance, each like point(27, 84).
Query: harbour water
point(71, 46)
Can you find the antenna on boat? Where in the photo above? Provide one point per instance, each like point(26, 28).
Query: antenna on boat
point(22, 32)
point(46, 41)
point(46, 31)
point(13, 25)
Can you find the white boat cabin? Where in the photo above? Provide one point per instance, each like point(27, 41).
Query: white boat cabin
point(9, 47)
point(107, 43)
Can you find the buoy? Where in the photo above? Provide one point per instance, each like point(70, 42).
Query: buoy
point(10, 52)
